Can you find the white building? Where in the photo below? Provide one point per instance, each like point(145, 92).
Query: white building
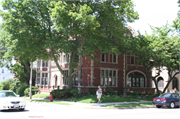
point(5, 73)
point(163, 78)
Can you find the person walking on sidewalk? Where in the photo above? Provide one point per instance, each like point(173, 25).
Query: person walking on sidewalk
point(99, 94)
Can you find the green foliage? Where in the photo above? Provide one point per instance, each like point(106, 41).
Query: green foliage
point(92, 91)
point(75, 93)
point(34, 90)
point(133, 93)
point(6, 85)
point(91, 25)
point(110, 91)
point(22, 89)
point(64, 93)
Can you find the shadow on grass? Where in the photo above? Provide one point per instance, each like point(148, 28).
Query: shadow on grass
point(104, 98)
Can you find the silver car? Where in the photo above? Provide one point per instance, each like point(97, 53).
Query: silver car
point(9, 100)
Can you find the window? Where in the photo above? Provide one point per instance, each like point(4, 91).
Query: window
point(38, 78)
point(11, 71)
point(108, 77)
point(2, 70)
point(175, 83)
point(56, 82)
point(75, 79)
point(114, 58)
point(136, 79)
point(132, 59)
point(44, 79)
point(38, 63)
point(160, 82)
point(44, 64)
point(65, 58)
point(103, 56)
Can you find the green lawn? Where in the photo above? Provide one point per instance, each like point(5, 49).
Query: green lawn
point(131, 105)
point(93, 99)
point(41, 95)
point(60, 103)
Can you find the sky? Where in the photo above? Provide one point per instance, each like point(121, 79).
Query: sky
point(152, 12)
point(155, 13)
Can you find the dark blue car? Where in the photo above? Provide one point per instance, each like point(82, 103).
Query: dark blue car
point(167, 99)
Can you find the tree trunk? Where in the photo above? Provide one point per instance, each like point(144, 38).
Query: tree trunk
point(156, 86)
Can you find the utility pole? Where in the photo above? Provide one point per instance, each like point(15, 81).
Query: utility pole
point(30, 94)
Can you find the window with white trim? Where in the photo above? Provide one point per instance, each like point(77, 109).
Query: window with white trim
point(65, 58)
point(44, 79)
point(160, 82)
point(103, 57)
point(114, 58)
point(108, 77)
point(38, 78)
point(2, 70)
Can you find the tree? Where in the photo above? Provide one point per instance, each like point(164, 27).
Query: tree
point(5, 85)
point(159, 49)
point(44, 29)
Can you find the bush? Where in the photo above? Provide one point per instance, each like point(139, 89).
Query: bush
point(110, 92)
point(75, 93)
point(5, 85)
point(92, 91)
point(34, 90)
point(138, 93)
point(64, 93)
point(22, 89)
point(133, 93)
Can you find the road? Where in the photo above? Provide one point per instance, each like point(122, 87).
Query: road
point(53, 111)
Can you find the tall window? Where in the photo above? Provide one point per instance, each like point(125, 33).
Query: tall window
point(108, 77)
point(38, 78)
point(2, 70)
point(160, 82)
point(114, 58)
point(103, 56)
point(136, 79)
point(65, 58)
point(56, 82)
point(44, 64)
point(132, 60)
point(44, 79)
point(175, 83)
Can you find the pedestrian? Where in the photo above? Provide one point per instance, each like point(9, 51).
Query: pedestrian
point(99, 94)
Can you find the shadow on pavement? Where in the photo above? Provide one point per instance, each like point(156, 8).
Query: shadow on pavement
point(15, 110)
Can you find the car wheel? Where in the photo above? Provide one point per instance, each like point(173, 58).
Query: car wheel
point(172, 105)
point(158, 106)
point(21, 109)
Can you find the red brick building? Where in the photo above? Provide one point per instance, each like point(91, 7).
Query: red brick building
point(122, 73)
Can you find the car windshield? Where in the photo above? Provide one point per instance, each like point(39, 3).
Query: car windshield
point(165, 95)
point(7, 94)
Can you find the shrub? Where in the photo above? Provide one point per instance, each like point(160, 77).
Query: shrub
point(5, 85)
point(149, 93)
point(75, 93)
point(133, 93)
point(64, 93)
point(22, 88)
point(138, 93)
point(92, 91)
point(110, 92)
point(34, 90)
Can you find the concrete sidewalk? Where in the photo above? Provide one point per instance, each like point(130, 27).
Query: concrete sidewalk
point(95, 105)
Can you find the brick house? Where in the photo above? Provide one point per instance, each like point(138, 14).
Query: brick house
point(122, 73)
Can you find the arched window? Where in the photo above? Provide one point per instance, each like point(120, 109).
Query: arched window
point(175, 83)
point(160, 82)
point(136, 79)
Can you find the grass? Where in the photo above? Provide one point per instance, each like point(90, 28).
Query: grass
point(131, 105)
point(105, 99)
point(60, 103)
point(41, 95)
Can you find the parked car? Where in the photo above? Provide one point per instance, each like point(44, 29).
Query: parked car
point(170, 100)
point(9, 100)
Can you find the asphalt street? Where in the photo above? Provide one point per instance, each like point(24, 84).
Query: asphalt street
point(54, 111)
